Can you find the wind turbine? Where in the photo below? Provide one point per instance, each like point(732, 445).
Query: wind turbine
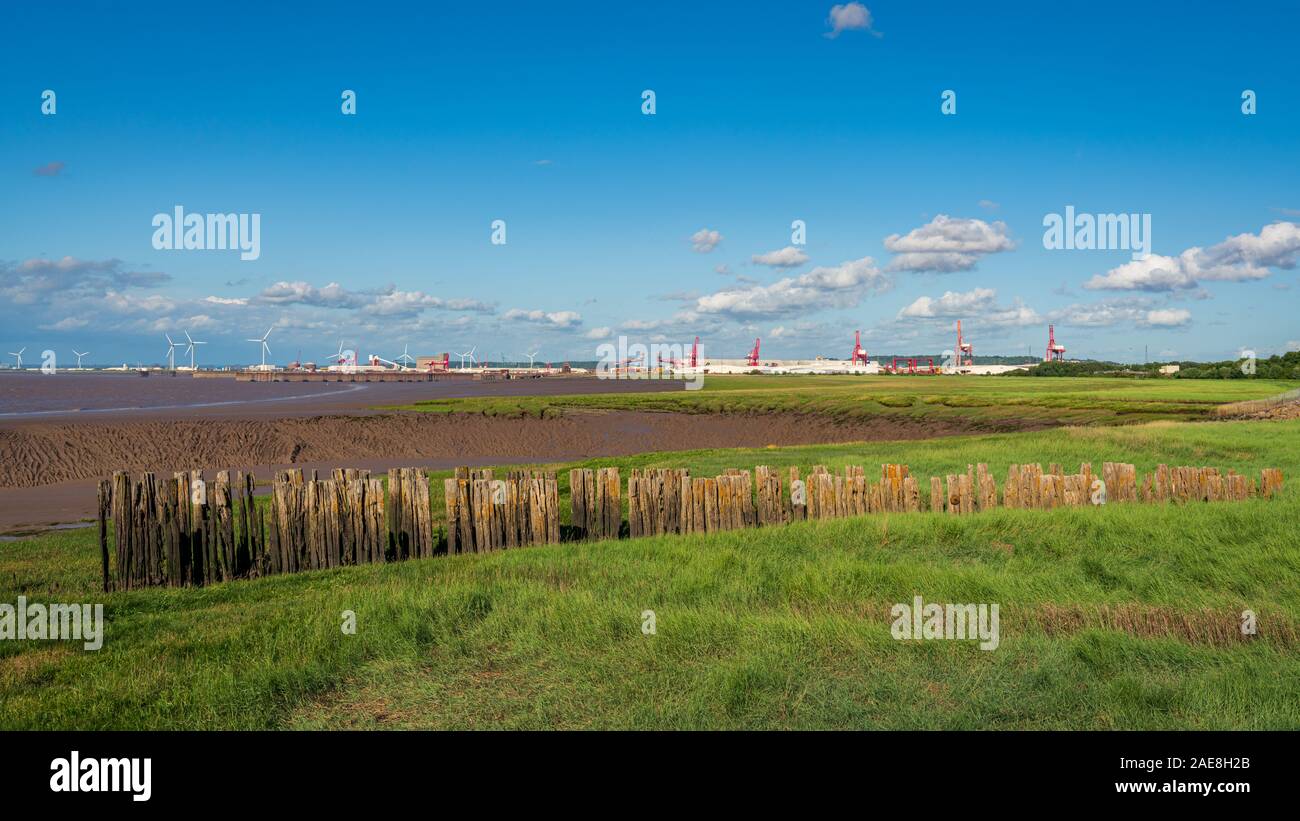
point(469, 353)
point(338, 356)
point(406, 357)
point(79, 355)
point(171, 352)
point(266, 349)
point(19, 354)
point(530, 357)
point(190, 350)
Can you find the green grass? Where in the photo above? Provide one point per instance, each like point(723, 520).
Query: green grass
point(989, 401)
point(776, 628)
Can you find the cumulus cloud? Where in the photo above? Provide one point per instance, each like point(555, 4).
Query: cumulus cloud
point(1140, 311)
point(126, 303)
point(841, 286)
point(1239, 258)
point(603, 332)
point(704, 240)
point(849, 17)
point(947, 244)
point(1168, 317)
point(384, 302)
point(410, 303)
point(551, 319)
point(223, 300)
point(979, 304)
point(950, 304)
point(787, 257)
point(299, 292)
point(69, 323)
point(35, 280)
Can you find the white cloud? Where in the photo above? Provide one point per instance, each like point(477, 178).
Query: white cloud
point(841, 286)
point(130, 303)
point(332, 295)
point(383, 302)
point(1168, 317)
point(552, 319)
point(979, 304)
point(1141, 311)
point(222, 300)
point(704, 240)
point(849, 17)
point(787, 257)
point(39, 280)
point(603, 332)
point(70, 323)
point(1155, 273)
point(947, 244)
point(1243, 257)
point(951, 304)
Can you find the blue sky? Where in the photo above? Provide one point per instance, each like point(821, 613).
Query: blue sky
point(375, 228)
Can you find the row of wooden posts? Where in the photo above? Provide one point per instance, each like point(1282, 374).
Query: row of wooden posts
point(184, 531)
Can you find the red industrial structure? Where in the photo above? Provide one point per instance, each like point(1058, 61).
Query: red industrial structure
point(752, 359)
point(913, 367)
point(1055, 351)
point(437, 366)
point(677, 363)
point(964, 349)
point(859, 353)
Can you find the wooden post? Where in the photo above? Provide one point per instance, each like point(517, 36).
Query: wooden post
point(105, 499)
point(609, 504)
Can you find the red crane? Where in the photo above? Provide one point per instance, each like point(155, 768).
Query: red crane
point(677, 363)
point(1055, 351)
point(859, 353)
point(752, 359)
point(964, 349)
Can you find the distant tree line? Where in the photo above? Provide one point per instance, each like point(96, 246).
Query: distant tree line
point(1285, 366)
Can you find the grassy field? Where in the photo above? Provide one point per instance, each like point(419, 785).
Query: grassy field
point(1120, 617)
point(990, 400)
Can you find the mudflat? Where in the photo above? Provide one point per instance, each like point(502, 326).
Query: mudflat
point(50, 459)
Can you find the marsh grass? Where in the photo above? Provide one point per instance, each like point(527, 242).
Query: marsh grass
point(1119, 617)
point(988, 401)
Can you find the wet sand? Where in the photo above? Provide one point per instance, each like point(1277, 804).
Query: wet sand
point(49, 470)
point(51, 456)
point(35, 397)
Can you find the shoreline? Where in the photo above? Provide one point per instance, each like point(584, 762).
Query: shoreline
point(49, 470)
